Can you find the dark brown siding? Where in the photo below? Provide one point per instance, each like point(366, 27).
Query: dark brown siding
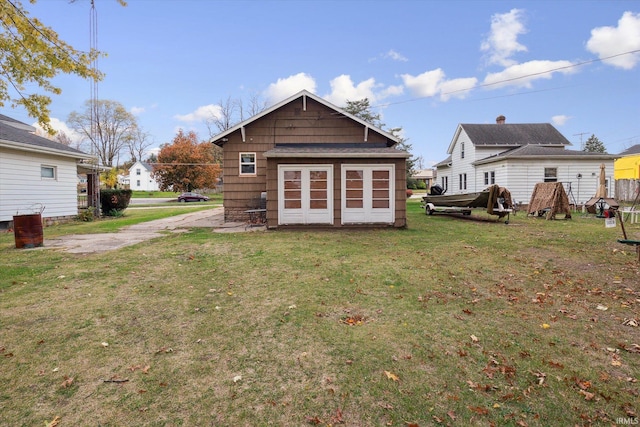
point(288, 124)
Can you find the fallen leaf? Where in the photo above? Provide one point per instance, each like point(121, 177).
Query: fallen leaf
point(474, 338)
point(54, 422)
point(602, 307)
point(545, 326)
point(587, 395)
point(452, 415)
point(237, 378)
point(391, 376)
point(67, 382)
point(105, 344)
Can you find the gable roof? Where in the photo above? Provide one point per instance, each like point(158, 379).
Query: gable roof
point(145, 165)
point(444, 163)
point(20, 136)
point(220, 138)
point(633, 150)
point(511, 135)
point(533, 152)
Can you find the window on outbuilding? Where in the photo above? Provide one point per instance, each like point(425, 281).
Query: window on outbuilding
point(47, 172)
point(550, 174)
point(247, 163)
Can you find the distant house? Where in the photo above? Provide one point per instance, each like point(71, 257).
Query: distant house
point(627, 174)
point(140, 177)
point(38, 174)
point(317, 166)
point(517, 156)
point(424, 175)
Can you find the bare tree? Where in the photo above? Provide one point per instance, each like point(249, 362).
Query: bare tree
point(233, 111)
point(225, 118)
point(139, 143)
point(108, 129)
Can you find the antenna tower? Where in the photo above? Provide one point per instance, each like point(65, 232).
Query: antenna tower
point(581, 133)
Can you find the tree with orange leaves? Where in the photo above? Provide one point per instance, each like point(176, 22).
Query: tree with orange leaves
point(186, 164)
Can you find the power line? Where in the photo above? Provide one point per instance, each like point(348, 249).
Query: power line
point(565, 67)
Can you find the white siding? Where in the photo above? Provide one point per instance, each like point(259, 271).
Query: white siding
point(142, 182)
point(520, 176)
point(24, 191)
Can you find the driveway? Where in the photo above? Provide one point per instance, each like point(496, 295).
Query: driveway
point(131, 235)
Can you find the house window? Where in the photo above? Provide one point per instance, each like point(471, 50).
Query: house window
point(550, 174)
point(48, 172)
point(445, 182)
point(138, 183)
point(247, 163)
point(462, 178)
point(462, 150)
point(489, 178)
point(137, 171)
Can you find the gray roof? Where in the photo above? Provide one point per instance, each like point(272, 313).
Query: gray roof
point(354, 150)
point(634, 149)
point(20, 135)
point(514, 134)
point(445, 162)
point(533, 152)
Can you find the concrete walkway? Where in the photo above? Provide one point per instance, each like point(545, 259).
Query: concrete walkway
point(127, 236)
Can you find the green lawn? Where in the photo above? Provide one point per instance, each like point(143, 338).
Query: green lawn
point(447, 322)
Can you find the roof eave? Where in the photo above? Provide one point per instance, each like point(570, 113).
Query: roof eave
point(37, 149)
point(398, 155)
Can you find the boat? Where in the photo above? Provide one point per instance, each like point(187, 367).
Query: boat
point(495, 199)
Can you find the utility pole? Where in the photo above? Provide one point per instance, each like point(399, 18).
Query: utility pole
point(582, 133)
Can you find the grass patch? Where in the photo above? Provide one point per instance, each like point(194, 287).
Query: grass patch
point(448, 321)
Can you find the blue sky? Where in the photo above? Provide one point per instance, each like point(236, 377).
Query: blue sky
point(426, 66)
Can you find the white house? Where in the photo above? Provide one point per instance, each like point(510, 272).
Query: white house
point(140, 177)
point(517, 156)
point(37, 174)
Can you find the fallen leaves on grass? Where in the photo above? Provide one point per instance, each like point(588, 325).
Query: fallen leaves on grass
point(356, 319)
point(391, 376)
point(53, 423)
point(67, 382)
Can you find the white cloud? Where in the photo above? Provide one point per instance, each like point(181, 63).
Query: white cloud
point(425, 84)
point(60, 126)
point(396, 56)
point(502, 41)
point(522, 75)
point(433, 83)
point(560, 120)
point(343, 89)
point(201, 114)
point(608, 41)
point(136, 111)
point(284, 88)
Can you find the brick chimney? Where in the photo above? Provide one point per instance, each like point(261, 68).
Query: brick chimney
point(500, 119)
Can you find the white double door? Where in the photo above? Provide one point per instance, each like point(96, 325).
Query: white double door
point(305, 194)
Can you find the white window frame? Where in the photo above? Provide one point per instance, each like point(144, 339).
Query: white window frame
point(254, 163)
point(550, 178)
point(367, 214)
point(305, 215)
point(54, 172)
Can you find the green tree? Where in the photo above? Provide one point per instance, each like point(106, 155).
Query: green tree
point(109, 128)
point(186, 164)
point(594, 145)
point(363, 110)
point(33, 54)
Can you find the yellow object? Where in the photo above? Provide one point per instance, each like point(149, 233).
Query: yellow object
point(627, 167)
